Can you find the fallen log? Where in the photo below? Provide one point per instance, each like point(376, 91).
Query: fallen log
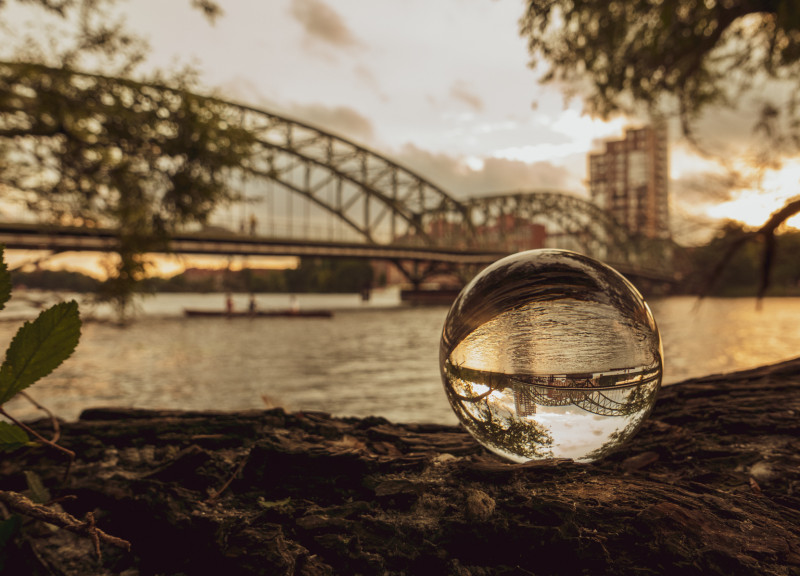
point(709, 485)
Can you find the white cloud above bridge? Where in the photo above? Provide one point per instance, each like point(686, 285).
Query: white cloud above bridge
point(449, 77)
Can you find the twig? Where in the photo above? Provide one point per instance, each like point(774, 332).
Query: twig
point(239, 468)
point(43, 440)
point(767, 232)
point(25, 506)
point(53, 419)
point(733, 248)
point(93, 535)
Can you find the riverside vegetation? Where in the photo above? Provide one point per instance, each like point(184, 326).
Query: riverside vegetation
point(740, 276)
point(37, 349)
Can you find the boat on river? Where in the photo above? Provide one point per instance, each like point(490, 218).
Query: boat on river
point(289, 313)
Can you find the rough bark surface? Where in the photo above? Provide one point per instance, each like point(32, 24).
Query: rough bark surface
point(709, 485)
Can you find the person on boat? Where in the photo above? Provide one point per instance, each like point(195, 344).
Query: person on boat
point(229, 303)
point(251, 307)
point(294, 305)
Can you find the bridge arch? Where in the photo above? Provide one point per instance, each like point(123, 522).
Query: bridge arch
point(570, 222)
point(378, 199)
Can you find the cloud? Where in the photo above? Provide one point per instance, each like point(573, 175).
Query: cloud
point(706, 187)
point(537, 152)
point(321, 23)
point(365, 76)
point(244, 90)
point(486, 176)
point(463, 94)
point(340, 120)
point(567, 133)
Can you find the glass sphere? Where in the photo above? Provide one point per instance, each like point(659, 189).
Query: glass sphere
point(550, 354)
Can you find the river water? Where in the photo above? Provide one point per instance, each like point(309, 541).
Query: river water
point(375, 358)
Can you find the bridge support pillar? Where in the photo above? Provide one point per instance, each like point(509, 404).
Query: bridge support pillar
point(417, 272)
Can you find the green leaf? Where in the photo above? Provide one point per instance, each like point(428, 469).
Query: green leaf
point(12, 437)
point(38, 493)
point(39, 347)
point(5, 280)
point(9, 528)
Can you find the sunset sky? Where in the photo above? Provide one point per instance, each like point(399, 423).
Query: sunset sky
point(441, 87)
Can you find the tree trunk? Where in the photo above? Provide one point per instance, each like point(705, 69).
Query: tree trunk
point(709, 485)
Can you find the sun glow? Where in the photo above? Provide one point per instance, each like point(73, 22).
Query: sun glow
point(753, 207)
point(98, 264)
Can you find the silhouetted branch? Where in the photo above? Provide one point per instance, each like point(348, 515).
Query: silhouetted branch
point(767, 232)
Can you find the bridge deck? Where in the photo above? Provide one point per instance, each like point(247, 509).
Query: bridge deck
point(69, 239)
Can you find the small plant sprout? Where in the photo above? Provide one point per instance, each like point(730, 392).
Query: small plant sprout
point(37, 349)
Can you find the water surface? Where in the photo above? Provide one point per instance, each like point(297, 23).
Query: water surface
point(374, 359)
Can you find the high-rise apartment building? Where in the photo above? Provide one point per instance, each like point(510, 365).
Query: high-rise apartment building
point(629, 181)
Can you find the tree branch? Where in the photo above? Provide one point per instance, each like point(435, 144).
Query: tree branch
point(767, 232)
point(43, 440)
point(27, 507)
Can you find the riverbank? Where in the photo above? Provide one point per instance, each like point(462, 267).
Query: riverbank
point(709, 485)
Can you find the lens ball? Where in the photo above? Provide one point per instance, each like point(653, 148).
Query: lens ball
point(551, 354)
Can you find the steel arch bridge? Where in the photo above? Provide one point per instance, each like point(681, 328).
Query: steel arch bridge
point(306, 184)
point(378, 200)
point(569, 221)
point(606, 402)
point(382, 202)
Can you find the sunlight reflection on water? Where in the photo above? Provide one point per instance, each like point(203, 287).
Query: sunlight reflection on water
point(376, 360)
point(722, 335)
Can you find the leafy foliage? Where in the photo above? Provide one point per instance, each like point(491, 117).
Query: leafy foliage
point(90, 150)
point(57, 280)
point(683, 55)
point(699, 52)
point(141, 159)
point(12, 437)
point(39, 347)
point(732, 264)
point(79, 34)
point(504, 431)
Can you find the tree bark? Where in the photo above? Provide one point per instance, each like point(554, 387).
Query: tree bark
point(709, 485)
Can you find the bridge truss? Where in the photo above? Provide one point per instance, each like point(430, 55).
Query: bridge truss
point(302, 183)
point(320, 176)
point(311, 184)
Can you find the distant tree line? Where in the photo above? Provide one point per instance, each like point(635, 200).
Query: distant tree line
point(312, 275)
point(742, 274)
point(56, 280)
point(740, 277)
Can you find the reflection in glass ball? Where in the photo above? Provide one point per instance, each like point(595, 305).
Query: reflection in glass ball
point(550, 354)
